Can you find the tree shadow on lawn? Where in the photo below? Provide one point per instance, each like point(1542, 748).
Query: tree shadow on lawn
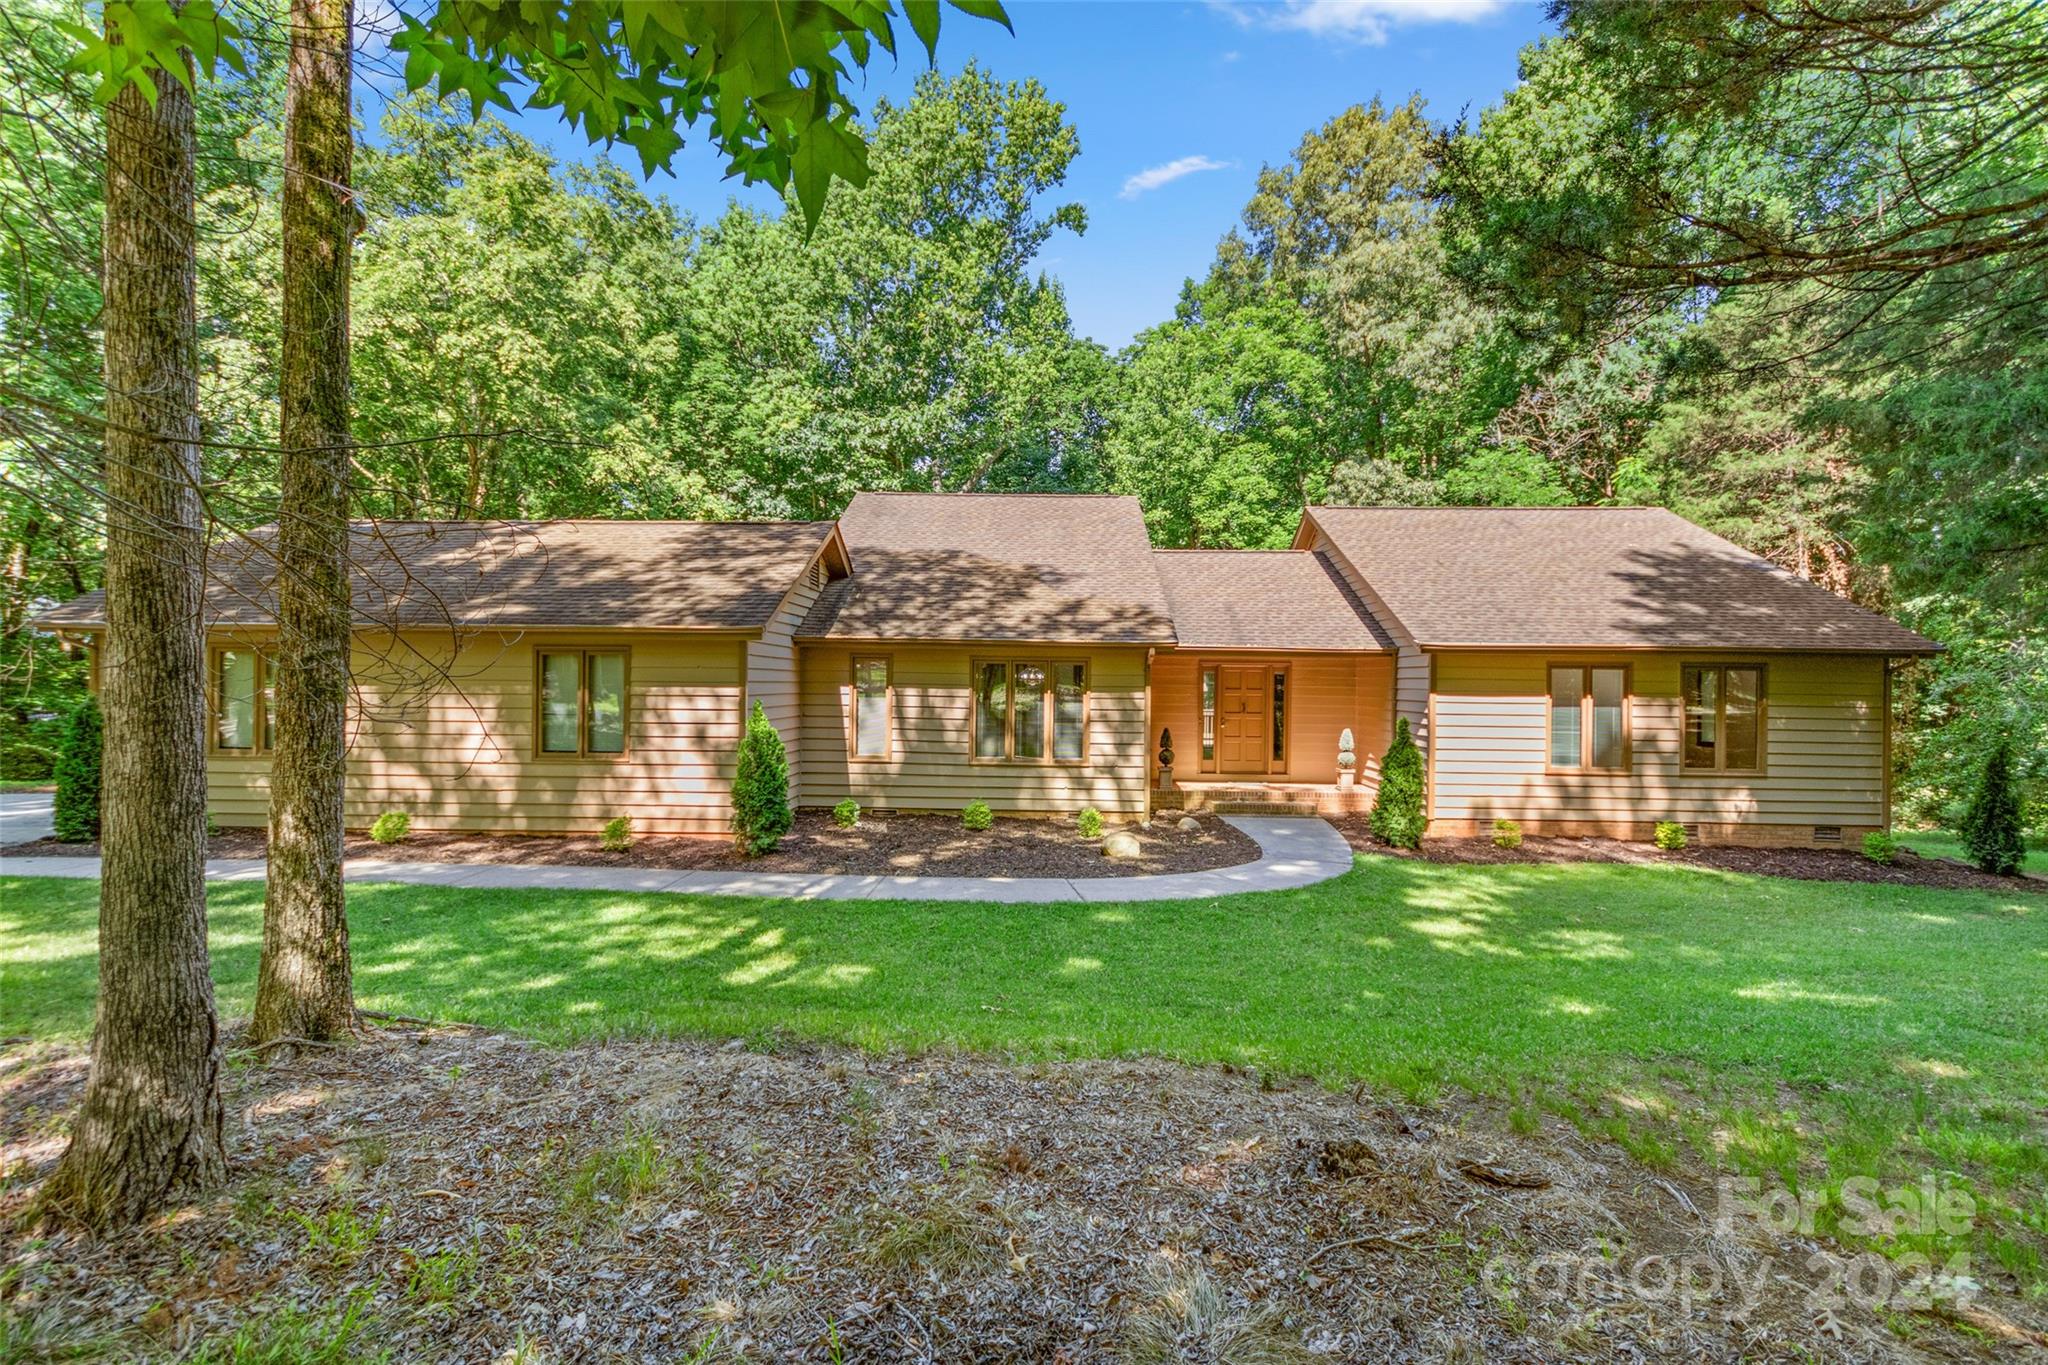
point(1811, 1029)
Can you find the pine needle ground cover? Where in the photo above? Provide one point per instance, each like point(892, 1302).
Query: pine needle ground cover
point(1797, 1031)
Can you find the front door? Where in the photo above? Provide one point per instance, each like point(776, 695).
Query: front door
point(1244, 699)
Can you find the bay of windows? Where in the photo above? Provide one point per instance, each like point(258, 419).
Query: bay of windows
point(1029, 710)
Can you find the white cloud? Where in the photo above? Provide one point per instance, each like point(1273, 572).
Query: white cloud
point(1152, 177)
point(1359, 21)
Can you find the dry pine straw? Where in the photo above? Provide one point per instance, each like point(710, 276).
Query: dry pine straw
point(927, 845)
point(646, 1200)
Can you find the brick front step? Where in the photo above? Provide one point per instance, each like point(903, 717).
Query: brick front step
point(1277, 799)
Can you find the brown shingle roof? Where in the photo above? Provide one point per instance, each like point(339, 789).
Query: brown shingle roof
point(654, 574)
point(1599, 577)
point(1042, 567)
point(1264, 599)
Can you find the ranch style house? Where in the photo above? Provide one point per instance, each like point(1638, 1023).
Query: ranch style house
point(1580, 670)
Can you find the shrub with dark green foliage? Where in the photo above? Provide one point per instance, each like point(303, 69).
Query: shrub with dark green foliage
point(977, 816)
point(1669, 835)
point(1397, 817)
point(77, 806)
point(1991, 824)
point(1089, 822)
point(846, 814)
point(1880, 847)
point(760, 788)
point(391, 827)
point(1507, 834)
point(618, 834)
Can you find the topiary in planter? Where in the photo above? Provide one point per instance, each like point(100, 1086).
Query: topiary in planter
point(77, 806)
point(760, 788)
point(1991, 824)
point(1397, 816)
point(977, 816)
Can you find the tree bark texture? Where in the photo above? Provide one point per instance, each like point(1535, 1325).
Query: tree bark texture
point(149, 1129)
point(303, 985)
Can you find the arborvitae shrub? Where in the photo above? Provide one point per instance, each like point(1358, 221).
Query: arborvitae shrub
point(1991, 824)
point(1507, 834)
point(77, 805)
point(1397, 817)
point(760, 788)
point(618, 834)
point(1089, 822)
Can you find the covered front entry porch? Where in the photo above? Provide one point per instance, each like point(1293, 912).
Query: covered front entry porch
point(1258, 732)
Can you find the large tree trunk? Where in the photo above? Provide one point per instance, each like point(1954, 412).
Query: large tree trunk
point(303, 987)
point(149, 1130)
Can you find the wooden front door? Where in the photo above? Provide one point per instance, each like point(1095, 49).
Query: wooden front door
point(1244, 701)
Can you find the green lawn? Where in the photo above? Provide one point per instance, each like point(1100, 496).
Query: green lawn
point(19, 784)
point(1941, 844)
point(1817, 1030)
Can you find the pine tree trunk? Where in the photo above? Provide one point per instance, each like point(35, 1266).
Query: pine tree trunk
point(149, 1129)
point(303, 986)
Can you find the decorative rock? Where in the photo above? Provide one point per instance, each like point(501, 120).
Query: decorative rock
point(1189, 822)
point(1121, 845)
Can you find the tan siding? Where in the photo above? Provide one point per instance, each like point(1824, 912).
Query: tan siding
point(929, 767)
point(1824, 746)
point(772, 665)
point(446, 735)
point(1411, 665)
point(1326, 694)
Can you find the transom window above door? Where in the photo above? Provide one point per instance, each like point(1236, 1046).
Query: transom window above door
point(1030, 710)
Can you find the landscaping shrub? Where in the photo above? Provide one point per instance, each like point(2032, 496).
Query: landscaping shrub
point(77, 805)
point(1397, 817)
point(1880, 847)
point(391, 827)
point(977, 816)
point(1507, 834)
point(212, 826)
point(760, 788)
point(846, 814)
point(1089, 822)
point(1670, 835)
point(618, 835)
point(1991, 824)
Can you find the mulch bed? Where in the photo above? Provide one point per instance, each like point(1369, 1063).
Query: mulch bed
point(896, 845)
point(1800, 864)
point(483, 1198)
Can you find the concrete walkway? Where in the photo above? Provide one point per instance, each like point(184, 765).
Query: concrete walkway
point(25, 816)
point(1293, 853)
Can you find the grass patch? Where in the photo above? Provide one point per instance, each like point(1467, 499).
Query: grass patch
point(27, 784)
point(1803, 1031)
point(1941, 844)
point(291, 1336)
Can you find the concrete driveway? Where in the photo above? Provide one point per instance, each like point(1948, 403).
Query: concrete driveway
point(24, 816)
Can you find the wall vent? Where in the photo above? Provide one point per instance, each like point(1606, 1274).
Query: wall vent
point(1692, 833)
point(1827, 834)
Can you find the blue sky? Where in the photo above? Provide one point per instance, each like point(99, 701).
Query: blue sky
point(1199, 95)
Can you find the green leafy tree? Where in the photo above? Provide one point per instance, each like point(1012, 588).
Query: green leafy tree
point(761, 813)
point(1397, 807)
point(75, 811)
point(1991, 826)
point(766, 78)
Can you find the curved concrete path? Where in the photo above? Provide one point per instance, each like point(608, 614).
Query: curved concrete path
point(1293, 853)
